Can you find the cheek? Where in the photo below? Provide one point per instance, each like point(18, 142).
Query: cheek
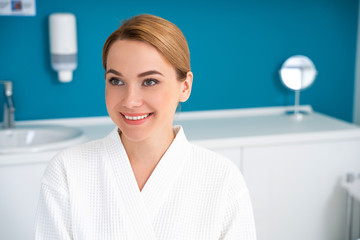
point(165, 100)
point(111, 98)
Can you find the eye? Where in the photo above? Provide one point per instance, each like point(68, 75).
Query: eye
point(150, 82)
point(115, 81)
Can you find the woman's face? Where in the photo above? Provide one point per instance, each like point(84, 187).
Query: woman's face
point(142, 91)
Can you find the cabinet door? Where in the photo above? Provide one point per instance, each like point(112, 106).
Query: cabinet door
point(19, 193)
point(296, 191)
point(234, 154)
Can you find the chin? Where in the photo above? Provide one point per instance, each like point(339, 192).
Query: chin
point(134, 135)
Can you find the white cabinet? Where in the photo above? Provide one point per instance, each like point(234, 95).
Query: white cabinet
point(19, 193)
point(295, 188)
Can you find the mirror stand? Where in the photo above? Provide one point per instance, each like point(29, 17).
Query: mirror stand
point(297, 113)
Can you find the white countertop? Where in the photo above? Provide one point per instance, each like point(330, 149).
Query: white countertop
point(254, 130)
point(221, 129)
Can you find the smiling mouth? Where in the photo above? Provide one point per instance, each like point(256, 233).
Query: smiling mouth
point(136, 118)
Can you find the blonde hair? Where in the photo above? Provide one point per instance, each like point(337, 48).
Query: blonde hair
point(165, 36)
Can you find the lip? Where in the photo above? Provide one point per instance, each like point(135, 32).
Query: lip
point(135, 122)
point(134, 114)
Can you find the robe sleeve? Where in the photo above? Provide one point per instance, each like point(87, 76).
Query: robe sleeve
point(238, 221)
point(53, 216)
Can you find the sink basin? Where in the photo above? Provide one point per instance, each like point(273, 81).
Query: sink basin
point(25, 139)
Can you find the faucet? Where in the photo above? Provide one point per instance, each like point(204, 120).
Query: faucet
point(9, 109)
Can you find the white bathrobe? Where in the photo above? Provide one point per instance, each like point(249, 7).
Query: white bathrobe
point(90, 192)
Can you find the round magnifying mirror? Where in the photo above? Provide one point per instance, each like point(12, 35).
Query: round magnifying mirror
point(297, 73)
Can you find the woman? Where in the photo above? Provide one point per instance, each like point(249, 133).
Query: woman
point(144, 180)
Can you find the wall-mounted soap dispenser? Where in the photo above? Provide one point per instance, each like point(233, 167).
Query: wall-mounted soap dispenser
point(63, 44)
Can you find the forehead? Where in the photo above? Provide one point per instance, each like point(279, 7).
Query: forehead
point(132, 55)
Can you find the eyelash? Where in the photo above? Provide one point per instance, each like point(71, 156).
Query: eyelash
point(152, 80)
point(113, 81)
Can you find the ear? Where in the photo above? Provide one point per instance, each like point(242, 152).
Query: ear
point(186, 87)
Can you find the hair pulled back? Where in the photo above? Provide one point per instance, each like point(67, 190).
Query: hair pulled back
point(165, 36)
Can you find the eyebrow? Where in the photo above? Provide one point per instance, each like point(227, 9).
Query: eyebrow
point(151, 72)
point(113, 71)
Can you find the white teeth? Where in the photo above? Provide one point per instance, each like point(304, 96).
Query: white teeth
point(136, 118)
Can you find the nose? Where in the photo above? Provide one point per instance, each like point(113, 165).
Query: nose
point(132, 98)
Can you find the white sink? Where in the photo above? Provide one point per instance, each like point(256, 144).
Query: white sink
point(25, 139)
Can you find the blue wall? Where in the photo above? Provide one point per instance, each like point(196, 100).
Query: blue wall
point(237, 48)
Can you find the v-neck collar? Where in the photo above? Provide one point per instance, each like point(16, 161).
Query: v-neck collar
point(166, 172)
point(142, 206)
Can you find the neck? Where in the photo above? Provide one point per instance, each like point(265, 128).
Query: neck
point(149, 151)
point(145, 155)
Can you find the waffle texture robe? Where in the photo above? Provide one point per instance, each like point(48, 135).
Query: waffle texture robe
point(89, 192)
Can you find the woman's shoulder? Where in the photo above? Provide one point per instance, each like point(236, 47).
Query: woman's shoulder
point(208, 156)
point(215, 171)
point(88, 147)
point(209, 160)
point(78, 152)
point(75, 157)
